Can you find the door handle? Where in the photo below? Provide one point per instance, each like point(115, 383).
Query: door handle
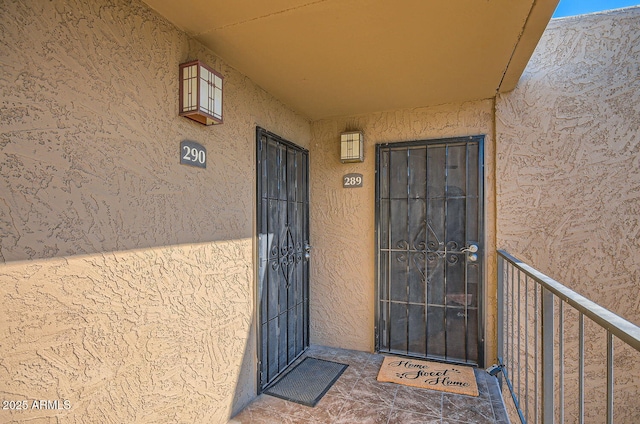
point(307, 250)
point(472, 248)
point(471, 251)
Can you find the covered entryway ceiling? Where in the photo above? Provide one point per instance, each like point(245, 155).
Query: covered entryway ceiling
point(340, 57)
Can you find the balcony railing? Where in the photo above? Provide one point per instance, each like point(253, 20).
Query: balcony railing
point(541, 349)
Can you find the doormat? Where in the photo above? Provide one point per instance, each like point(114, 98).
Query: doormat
point(429, 375)
point(308, 381)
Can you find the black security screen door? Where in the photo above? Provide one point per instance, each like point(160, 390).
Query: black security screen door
point(429, 233)
point(283, 244)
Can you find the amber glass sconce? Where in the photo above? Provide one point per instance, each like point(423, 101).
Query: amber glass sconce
point(200, 93)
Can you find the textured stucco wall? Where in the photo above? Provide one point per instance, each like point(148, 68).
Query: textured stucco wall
point(343, 220)
point(126, 279)
point(568, 186)
point(568, 149)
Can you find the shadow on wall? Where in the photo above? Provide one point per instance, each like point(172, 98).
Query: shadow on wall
point(246, 387)
point(70, 197)
point(90, 138)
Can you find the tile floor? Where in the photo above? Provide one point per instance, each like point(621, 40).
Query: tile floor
point(358, 398)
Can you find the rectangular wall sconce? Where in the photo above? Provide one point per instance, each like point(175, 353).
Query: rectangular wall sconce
point(352, 147)
point(200, 93)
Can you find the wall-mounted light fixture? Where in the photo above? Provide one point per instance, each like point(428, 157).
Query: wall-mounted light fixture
point(200, 93)
point(352, 146)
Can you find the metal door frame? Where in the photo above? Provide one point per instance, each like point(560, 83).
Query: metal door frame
point(481, 228)
point(258, 307)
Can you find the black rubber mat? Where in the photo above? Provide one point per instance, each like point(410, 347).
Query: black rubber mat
point(308, 381)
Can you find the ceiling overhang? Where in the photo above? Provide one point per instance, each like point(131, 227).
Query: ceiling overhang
point(343, 57)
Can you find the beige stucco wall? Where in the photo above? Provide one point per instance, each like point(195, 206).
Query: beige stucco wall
point(568, 158)
point(126, 279)
point(343, 220)
point(568, 199)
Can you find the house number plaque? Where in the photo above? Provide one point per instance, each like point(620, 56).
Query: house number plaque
point(352, 181)
point(192, 153)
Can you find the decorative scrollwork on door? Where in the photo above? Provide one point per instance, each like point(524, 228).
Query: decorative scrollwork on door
point(289, 256)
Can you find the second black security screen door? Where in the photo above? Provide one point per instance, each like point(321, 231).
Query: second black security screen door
point(283, 247)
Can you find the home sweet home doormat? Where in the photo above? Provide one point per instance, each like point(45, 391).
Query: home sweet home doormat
point(429, 375)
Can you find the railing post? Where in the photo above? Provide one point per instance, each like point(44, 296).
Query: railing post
point(581, 368)
point(500, 310)
point(609, 378)
point(547, 357)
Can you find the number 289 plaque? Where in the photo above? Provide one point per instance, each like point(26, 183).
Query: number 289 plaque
point(352, 181)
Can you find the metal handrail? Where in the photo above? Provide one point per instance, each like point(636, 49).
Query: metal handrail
point(618, 326)
point(510, 272)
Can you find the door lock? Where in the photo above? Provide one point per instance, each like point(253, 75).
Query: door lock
point(307, 250)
